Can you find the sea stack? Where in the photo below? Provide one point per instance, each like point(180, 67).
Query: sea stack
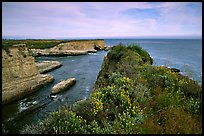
point(63, 85)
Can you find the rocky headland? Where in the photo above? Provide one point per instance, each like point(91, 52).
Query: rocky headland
point(131, 96)
point(20, 76)
point(72, 48)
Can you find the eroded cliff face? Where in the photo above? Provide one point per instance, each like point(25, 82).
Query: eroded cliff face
point(17, 64)
point(19, 74)
point(82, 45)
point(75, 47)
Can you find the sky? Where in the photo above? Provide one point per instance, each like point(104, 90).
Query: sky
point(101, 19)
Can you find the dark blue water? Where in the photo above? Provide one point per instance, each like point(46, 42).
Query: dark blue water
point(185, 55)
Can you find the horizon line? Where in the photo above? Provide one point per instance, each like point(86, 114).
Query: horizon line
point(105, 37)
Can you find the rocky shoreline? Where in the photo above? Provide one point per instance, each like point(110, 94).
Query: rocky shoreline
point(56, 52)
point(17, 89)
point(130, 95)
point(50, 52)
point(22, 75)
point(72, 48)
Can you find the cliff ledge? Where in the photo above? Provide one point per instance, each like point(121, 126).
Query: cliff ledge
point(20, 76)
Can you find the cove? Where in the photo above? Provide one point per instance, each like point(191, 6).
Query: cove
point(84, 68)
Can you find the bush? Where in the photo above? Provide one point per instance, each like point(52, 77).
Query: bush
point(41, 44)
point(131, 96)
point(38, 44)
point(117, 52)
point(144, 54)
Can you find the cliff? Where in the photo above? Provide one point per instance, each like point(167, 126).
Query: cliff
point(82, 45)
point(74, 47)
point(19, 74)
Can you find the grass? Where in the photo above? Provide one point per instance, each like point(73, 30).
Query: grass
point(131, 97)
point(38, 43)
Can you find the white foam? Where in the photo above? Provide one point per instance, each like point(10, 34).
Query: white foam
point(22, 106)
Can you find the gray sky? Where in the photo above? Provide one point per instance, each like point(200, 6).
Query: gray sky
point(101, 19)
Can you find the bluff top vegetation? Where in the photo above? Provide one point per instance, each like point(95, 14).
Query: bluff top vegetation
point(131, 97)
point(37, 43)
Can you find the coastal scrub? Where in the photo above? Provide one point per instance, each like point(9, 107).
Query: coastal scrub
point(131, 97)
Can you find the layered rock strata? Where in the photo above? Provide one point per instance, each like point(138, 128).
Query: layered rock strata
point(46, 66)
point(72, 48)
point(20, 76)
point(56, 52)
point(82, 45)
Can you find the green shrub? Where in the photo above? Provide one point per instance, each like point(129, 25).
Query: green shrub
point(144, 54)
point(38, 44)
point(132, 97)
point(41, 44)
point(117, 52)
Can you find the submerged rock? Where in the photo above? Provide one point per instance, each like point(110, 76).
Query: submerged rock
point(63, 85)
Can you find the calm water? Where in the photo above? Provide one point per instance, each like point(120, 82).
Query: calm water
point(185, 55)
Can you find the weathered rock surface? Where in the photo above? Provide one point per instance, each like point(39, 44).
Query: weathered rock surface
point(107, 48)
point(63, 85)
point(17, 89)
point(82, 45)
point(46, 66)
point(19, 74)
point(56, 52)
point(72, 48)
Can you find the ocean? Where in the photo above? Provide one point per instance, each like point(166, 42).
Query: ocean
point(183, 54)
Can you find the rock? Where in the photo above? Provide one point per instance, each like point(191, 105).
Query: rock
point(82, 45)
point(20, 76)
point(174, 70)
point(71, 48)
point(56, 52)
point(46, 66)
point(96, 47)
point(92, 51)
point(17, 89)
point(63, 85)
point(107, 48)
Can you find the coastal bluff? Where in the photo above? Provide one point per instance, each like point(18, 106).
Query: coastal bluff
point(72, 48)
point(20, 76)
point(130, 96)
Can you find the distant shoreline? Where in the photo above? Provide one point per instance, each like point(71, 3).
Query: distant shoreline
point(100, 38)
